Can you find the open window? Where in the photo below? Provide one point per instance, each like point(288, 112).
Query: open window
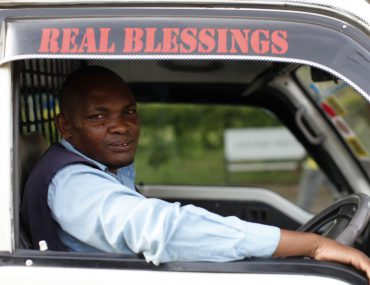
point(266, 154)
point(187, 124)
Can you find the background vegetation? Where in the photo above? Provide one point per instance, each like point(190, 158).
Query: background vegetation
point(184, 144)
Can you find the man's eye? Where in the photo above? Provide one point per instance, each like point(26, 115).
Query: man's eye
point(131, 112)
point(97, 117)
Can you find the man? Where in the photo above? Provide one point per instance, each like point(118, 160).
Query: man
point(87, 183)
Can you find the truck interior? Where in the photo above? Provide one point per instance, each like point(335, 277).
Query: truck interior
point(245, 94)
point(269, 90)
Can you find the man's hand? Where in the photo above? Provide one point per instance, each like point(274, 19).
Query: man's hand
point(321, 248)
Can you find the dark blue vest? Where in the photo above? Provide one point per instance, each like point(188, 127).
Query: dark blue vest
point(35, 210)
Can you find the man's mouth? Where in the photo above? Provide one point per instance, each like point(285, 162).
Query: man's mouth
point(120, 146)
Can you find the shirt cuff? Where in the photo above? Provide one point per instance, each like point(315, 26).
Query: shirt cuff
point(261, 240)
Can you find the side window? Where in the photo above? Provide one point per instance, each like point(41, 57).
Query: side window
point(198, 144)
point(195, 144)
point(227, 146)
point(39, 84)
point(185, 144)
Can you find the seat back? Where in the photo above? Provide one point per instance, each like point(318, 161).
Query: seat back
point(31, 147)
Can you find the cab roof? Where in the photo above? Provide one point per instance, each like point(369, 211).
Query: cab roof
point(356, 9)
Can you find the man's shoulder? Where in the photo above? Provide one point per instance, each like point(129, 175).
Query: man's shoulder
point(57, 156)
point(83, 174)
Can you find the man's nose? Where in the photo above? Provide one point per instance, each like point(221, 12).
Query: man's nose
point(119, 125)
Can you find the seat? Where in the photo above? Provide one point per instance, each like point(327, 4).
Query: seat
point(31, 147)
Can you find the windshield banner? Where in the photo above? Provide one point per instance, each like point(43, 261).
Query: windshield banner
point(173, 40)
point(244, 37)
point(138, 36)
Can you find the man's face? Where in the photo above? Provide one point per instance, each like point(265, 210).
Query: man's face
point(103, 124)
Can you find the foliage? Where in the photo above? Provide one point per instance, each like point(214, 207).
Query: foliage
point(190, 138)
point(192, 128)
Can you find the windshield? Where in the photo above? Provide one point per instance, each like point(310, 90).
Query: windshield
point(346, 108)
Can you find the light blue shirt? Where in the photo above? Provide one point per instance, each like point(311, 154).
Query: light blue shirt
point(100, 211)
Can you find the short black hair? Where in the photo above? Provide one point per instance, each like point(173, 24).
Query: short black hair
point(74, 82)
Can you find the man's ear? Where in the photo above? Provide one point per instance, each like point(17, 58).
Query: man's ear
point(63, 126)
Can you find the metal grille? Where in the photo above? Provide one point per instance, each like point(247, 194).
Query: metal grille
point(39, 84)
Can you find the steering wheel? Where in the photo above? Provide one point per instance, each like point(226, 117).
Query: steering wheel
point(344, 220)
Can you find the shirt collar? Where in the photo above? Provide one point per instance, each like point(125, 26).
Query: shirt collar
point(127, 171)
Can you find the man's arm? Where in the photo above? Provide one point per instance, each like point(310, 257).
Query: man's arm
point(93, 208)
point(320, 248)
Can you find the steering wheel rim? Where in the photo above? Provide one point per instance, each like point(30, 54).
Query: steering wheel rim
point(355, 208)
